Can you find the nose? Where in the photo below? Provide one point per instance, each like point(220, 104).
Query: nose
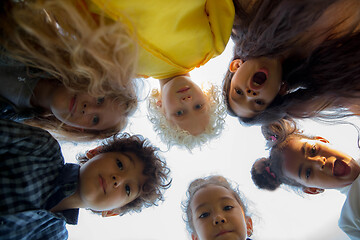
point(320, 162)
point(87, 108)
point(186, 98)
point(218, 219)
point(251, 93)
point(116, 181)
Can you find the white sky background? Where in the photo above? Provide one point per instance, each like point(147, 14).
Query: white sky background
point(278, 215)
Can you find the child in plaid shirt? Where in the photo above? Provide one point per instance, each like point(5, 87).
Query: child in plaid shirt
point(40, 193)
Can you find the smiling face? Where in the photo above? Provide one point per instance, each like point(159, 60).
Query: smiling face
point(185, 105)
point(111, 180)
point(314, 163)
point(84, 111)
point(254, 86)
point(217, 214)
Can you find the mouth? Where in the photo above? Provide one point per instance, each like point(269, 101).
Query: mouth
point(222, 233)
point(340, 168)
point(72, 105)
point(259, 78)
point(182, 90)
point(102, 183)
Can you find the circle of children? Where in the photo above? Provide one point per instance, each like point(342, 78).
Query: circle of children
point(70, 68)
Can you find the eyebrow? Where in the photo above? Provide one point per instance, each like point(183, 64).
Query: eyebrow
point(303, 153)
point(133, 162)
point(221, 199)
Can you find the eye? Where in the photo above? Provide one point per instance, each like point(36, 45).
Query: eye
point(307, 173)
point(198, 106)
point(179, 113)
point(100, 100)
point(119, 164)
point(127, 190)
point(204, 215)
point(228, 208)
point(239, 92)
point(313, 150)
point(95, 120)
point(259, 102)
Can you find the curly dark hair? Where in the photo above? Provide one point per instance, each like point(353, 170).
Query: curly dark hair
point(267, 173)
point(155, 169)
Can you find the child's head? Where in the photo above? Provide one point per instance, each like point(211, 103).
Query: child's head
point(302, 161)
point(250, 86)
point(214, 209)
point(124, 174)
point(66, 42)
point(185, 115)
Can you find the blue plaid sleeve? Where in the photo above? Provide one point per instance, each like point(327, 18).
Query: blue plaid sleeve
point(20, 139)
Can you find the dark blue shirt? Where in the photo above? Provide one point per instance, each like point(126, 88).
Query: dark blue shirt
point(33, 179)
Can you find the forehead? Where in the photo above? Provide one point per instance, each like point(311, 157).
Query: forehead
point(210, 194)
point(293, 156)
point(111, 114)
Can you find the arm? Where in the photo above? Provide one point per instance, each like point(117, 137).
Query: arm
point(21, 139)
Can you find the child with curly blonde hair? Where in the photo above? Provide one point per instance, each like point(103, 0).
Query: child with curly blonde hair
point(175, 38)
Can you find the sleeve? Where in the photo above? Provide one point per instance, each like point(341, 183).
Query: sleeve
point(21, 139)
point(349, 220)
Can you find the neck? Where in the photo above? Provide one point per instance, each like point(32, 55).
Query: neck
point(72, 201)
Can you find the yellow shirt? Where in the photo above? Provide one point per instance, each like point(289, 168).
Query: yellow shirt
point(174, 36)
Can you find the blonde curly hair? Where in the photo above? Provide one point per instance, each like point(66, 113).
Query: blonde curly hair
point(85, 52)
point(174, 135)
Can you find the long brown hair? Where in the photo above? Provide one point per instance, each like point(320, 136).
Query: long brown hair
point(316, 82)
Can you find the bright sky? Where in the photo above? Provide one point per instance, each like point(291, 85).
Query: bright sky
point(279, 215)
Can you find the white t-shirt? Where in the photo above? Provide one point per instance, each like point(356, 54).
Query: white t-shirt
point(349, 220)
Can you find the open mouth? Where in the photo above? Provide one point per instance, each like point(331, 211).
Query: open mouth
point(184, 89)
point(341, 169)
point(260, 77)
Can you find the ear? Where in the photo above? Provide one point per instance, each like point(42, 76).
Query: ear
point(283, 89)
point(159, 103)
point(108, 213)
point(93, 152)
point(321, 139)
point(249, 226)
point(312, 190)
point(235, 64)
point(194, 236)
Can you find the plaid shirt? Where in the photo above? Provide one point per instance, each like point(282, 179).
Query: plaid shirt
point(33, 179)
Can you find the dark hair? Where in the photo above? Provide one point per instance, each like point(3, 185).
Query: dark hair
point(267, 173)
point(315, 83)
point(200, 183)
point(155, 169)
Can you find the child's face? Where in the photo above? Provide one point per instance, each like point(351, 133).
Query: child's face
point(84, 111)
point(314, 163)
point(185, 105)
point(254, 86)
point(217, 215)
point(111, 180)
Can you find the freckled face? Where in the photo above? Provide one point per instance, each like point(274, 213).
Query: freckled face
point(254, 86)
point(84, 111)
point(111, 180)
point(185, 105)
point(314, 163)
point(217, 215)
